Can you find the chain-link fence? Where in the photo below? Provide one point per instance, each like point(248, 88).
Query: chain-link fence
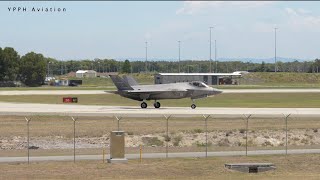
point(73, 136)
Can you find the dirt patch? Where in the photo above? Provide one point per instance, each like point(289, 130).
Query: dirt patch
point(259, 138)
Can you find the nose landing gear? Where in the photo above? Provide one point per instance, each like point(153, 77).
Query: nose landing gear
point(193, 105)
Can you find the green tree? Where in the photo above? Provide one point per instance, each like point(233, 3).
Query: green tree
point(126, 67)
point(316, 65)
point(33, 69)
point(9, 64)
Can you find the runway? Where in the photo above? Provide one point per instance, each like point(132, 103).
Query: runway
point(159, 155)
point(51, 92)
point(75, 92)
point(135, 111)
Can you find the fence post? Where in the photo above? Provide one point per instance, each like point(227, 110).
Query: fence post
point(286, 121)
point(206, 129)
point(74, 138)
point(118, 119)
point(247, 118)
point(167, 138)
point(28, 121)
point(140, 153)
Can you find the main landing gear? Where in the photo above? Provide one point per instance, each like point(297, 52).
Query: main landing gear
point(145, 105)
point(156, 104)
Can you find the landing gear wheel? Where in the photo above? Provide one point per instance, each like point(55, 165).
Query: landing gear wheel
point(156, 104)
point(144, 105)
point(193, 106)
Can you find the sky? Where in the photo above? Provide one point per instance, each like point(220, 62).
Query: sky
point(88, 30)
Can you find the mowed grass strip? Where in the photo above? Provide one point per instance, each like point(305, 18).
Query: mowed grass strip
point(250, 100)
point(288, 167)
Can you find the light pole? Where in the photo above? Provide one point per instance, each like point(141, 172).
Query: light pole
point(210, 68)
point(146, 64)
point(179, 55)
point(215, 55)
point(48, 74)
point(61, 68)
point(275, 49)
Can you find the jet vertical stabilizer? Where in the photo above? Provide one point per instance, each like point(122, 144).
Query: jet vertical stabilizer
point(120, 83)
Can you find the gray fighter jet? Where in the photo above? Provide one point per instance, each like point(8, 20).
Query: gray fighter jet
point(129, 88)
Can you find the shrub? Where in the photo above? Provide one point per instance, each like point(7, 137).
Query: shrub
point(242, 131)
point(203, 144)
point(130, 133)
point(176, 140)
point(198, 131)
point(167, 138)
point(228, 133)
point(150, 141)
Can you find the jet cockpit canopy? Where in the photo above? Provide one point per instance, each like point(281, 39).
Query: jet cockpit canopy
point(198, 84)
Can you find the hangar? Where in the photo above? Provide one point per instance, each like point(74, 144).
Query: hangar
point(208, 78)
point(86, 73)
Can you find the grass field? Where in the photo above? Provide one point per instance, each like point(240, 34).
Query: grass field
point(288, 167)
point(90, 126)
point(281, 78)
point(253, 100)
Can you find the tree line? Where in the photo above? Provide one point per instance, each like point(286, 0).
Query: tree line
point(32, 68)
point(187, 66)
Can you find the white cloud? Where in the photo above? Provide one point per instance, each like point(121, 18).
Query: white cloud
point(193, 7)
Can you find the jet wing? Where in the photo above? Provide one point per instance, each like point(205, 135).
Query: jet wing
point(155, 91)
point(145, 94)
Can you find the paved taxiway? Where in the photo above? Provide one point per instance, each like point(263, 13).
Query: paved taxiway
point(135, 111)
point(66, 92)
point(160, 155)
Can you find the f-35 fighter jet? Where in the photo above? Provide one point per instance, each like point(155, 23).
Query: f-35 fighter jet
point(129, 88)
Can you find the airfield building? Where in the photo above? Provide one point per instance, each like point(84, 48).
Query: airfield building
point(86, 73)
point(208, 78)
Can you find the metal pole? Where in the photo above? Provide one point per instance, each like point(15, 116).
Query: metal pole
point(206, 129)
point(118, 119)
point(179, 55)
point(286, 119)
point(103, 158)
point(215, 55)
point(146, 68)
point(275, 49)
point(247, 117)
point(28, 121)
point(74, 138)
point(210, 68)
point(140, 153)
point(167, 140)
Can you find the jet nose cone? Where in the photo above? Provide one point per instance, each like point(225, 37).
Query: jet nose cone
point(218, 91)
point(214, 92)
